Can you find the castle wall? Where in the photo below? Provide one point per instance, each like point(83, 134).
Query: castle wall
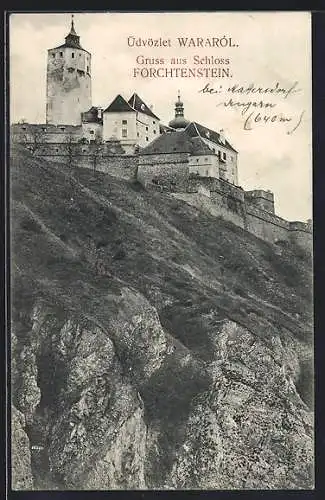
point(266, 226)
point(45, 133)
point(217, 205)
point(105, 157)
point(262, 224)
point(298, 235)
point(68, 91)
point(261, 198)
point(170, 172)
point(167, 170)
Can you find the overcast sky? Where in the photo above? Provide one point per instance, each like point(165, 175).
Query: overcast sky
point(272, 47)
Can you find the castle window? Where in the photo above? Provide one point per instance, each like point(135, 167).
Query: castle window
point(154, 122)
point(53, 54)
point(224, 156)
point(147, 139)
point(61, 54)
point(124, 122)
point(197, 160)
point(72, 55)
point(205, 159)
point(154, 131)
point(24, 128)
point(147, 129)
point(87, 69)
point(124, 132)
point(91, 132)
point(56, 150)
point(44, 129)
point(138, 134)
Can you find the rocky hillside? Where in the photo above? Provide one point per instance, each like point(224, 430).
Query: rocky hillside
point(153, 346)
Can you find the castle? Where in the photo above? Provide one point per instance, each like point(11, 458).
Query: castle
point(186, 159)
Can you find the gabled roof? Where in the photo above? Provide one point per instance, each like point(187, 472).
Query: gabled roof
point(177, 142)
point(119, 104)
point(139, 105)
point(195, 129)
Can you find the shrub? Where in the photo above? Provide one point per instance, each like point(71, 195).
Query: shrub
point(30, 225)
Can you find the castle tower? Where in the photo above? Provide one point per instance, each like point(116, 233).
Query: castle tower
point(68, 88)
point(179, 122)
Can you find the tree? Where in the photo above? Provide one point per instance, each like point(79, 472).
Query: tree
point(97, 151)
point(30, 136)
point(70, 142)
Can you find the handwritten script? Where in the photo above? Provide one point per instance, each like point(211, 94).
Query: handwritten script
point(256, 104)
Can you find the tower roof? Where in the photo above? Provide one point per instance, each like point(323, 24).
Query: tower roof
point(195, 129)
point(139, 105)
point(179, 122)
point(118, 105)
point(72, 40)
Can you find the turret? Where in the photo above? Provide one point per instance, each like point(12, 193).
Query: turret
point(68, 91)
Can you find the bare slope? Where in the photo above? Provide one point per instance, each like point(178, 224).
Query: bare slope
point(154, 346)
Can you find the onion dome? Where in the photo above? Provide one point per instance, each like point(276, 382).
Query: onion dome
point(179, 122)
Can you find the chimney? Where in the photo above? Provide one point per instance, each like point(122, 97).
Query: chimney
point(222, 136)
point(99, 113)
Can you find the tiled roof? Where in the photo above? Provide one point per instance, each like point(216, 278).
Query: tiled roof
point(176, 142)
point(91, 116)
point(200, 147)
point(195, 129)
point(164, 128)
point(71, 43)
point(139, 105)
point(119, 104)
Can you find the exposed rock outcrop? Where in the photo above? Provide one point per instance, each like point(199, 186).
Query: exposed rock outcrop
point(22, 478)
point(183, 360)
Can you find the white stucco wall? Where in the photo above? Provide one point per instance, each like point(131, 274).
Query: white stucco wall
point(92, 131)
point(147, 129)
point(230, 161)
point(113, 126)
point(205, 166)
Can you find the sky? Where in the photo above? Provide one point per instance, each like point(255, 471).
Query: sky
point(272, 50)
